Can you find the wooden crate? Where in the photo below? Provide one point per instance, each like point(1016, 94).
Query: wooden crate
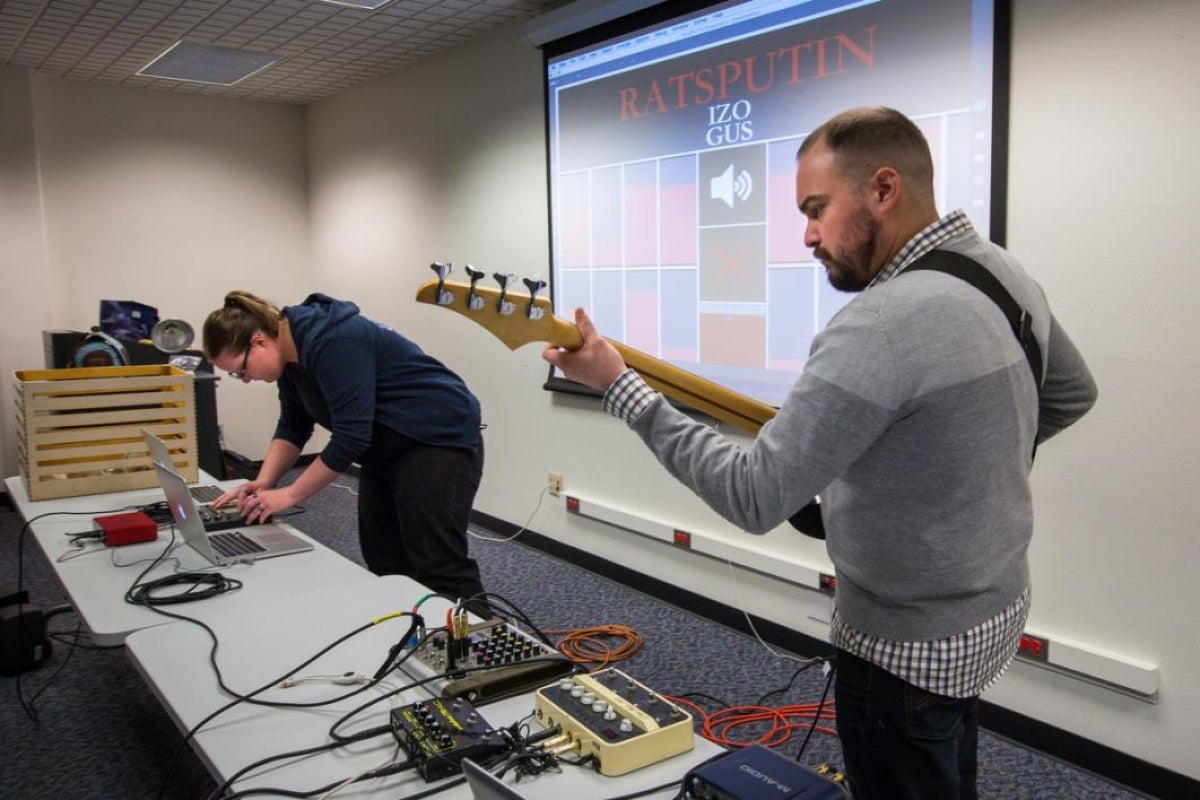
point(79, 430)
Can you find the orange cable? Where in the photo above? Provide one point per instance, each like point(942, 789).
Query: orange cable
point(719, 726)
point(594, 645)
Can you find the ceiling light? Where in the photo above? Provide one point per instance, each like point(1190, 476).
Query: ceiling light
point(367, 5)
point(207, 63)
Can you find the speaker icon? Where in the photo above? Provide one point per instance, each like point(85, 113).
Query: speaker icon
point(727, 186)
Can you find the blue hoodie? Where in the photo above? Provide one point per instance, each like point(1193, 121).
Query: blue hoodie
point(355, 374)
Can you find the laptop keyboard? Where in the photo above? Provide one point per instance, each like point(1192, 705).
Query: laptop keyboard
point(205, 494)
point(234, 544)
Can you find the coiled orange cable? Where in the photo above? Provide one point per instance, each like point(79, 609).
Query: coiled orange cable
point(719, 726)
point(596, 645)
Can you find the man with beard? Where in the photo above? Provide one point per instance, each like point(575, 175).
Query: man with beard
point(915, 420)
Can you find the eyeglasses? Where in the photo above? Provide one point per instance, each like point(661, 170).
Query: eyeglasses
point(240, 375)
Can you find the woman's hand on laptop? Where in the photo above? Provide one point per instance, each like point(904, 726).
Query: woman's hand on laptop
point(261, 505)
point(237, 496)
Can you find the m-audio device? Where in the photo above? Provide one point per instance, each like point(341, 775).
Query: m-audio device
point(484, 662)
point(611, 717)
point(757, 773)
point(438, 734)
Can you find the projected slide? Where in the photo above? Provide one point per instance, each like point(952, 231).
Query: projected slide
point(672, 157)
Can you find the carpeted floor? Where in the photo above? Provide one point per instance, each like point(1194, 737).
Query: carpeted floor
point(100, 733)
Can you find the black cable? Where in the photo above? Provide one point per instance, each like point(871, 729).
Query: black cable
point(527, 759)
point(456, 672)
point(817, 715)
point(224, 787)
point(459, 781)
point(78, 539)
point(214, 585)
point(249, 697)
point(290, 511)
point(30, 713)
point(159, 512)
point(333, 729)
point(762, 701)
point(66, 660)
point(515, 611)
point(386, 667)
point(721, 704)
point(72, 639)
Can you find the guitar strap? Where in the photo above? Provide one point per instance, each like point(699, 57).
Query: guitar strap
point(972, 272)
point(808, 519)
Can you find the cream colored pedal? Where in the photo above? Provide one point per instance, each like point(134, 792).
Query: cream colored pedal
point(612, 717)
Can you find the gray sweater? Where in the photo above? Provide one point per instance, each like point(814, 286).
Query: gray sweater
point(914, 419)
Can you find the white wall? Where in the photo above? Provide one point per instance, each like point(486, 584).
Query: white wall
point(23, 267)
point(1104, 106)
point(445, 160)
point(172, 201)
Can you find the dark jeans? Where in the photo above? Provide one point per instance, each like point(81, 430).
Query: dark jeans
point(899, 741)
point(414, 503)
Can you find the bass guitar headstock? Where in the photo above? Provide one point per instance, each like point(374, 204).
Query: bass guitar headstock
point(514, 318)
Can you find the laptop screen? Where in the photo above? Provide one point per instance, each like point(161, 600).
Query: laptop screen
point(486, 786)
point(183, 510)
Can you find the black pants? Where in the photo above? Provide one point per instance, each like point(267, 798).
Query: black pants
point(414, 503)
point(900, 742)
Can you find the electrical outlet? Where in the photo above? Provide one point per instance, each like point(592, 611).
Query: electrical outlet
point(554, 483)
point(1034, 648)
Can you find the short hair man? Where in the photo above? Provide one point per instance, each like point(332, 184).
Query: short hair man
point(915, 420)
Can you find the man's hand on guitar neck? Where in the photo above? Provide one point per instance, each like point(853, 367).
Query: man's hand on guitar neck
point(596, 363)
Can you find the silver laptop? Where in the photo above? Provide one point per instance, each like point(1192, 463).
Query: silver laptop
point(229, 546)
point(161, 454)
point(486, 786)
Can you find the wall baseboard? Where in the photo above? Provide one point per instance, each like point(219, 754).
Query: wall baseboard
point(1127, 770)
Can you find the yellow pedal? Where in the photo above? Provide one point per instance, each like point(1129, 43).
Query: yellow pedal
point(617, 720)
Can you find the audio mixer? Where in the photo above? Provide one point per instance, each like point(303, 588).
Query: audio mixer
point(485, 662)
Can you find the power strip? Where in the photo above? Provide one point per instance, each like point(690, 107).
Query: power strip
point(438, 734)
point(493, 661)
point(616, 720)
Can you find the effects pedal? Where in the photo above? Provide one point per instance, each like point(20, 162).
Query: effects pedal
point(757, 772)
point(616, 720)
point(438, 734)
point(488, 661)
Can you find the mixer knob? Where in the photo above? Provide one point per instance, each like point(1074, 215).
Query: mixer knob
point(588, 698)
point(610, 715)
point(626, 726)
point(599, 706)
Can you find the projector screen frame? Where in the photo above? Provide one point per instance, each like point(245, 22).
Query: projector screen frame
point(668, 12)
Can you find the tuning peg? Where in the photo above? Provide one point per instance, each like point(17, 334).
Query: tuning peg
point(474, 301)
point(503, 305)
point(535, 284)
point(443, 268)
